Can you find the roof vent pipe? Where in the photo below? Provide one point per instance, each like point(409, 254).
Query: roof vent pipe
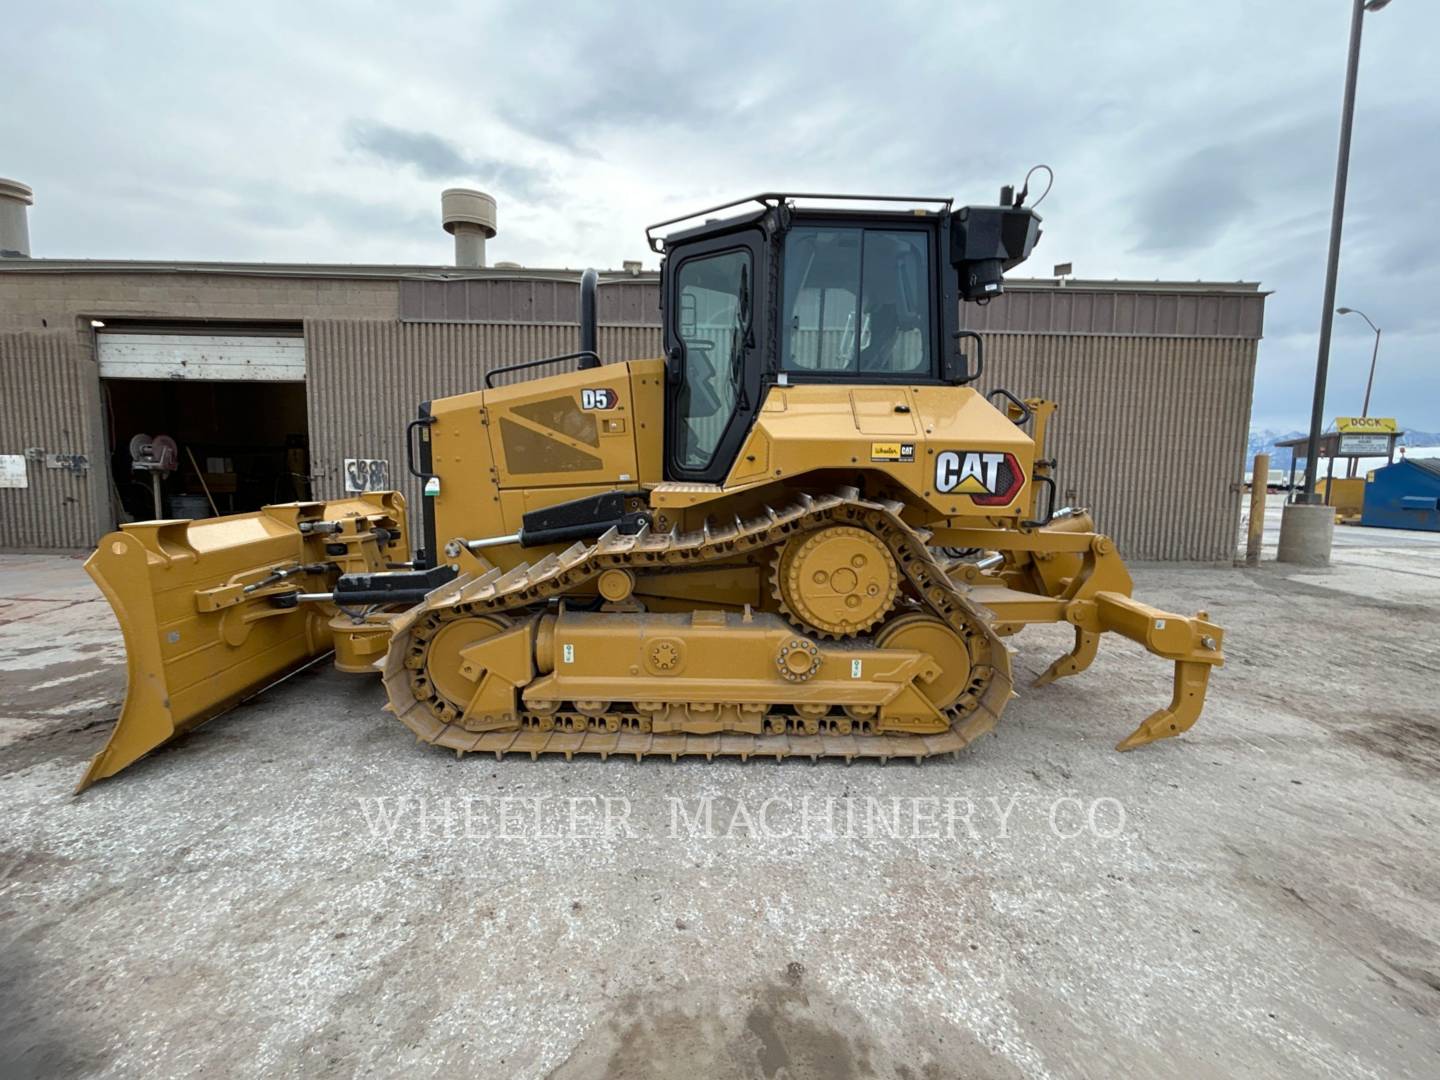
point(469, 216)
point(589, 332)
point(15, 197)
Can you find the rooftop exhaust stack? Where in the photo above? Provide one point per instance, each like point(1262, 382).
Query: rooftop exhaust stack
point(469, 216)
point(14, 226)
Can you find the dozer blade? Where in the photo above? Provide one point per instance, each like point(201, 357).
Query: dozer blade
point(197, 642)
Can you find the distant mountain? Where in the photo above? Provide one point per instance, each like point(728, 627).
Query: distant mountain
point(1263, 440)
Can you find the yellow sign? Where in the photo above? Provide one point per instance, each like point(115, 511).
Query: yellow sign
point(1365, 425)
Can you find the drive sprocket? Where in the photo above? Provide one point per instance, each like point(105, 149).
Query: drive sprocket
point(837, 581)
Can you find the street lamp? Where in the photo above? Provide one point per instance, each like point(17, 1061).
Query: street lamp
point(1307, 528)
point(1374, 354)
point(1337, 220)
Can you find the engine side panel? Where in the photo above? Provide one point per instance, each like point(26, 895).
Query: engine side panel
point(952, 450)
point(503, 452)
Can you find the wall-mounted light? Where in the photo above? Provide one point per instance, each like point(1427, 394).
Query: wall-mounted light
point(97, 324)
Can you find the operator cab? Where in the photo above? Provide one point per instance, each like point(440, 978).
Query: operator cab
point(784, 294)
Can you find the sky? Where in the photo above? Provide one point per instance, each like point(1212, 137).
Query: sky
point(1191, 139)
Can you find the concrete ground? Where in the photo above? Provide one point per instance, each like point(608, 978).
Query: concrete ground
point(296, 887)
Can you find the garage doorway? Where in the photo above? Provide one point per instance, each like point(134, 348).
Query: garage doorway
point(218, 415)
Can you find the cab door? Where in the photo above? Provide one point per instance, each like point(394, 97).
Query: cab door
point(714, 315)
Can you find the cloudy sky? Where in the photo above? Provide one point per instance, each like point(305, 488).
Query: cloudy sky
point(1190, 138)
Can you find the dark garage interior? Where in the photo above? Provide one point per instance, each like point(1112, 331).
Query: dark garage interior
point(239, 445)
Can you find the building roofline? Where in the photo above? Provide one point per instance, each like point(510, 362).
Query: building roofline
point(1041, 284)
point(382, 271)
point(421, 272)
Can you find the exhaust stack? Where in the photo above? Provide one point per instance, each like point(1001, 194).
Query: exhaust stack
point(469, 216)
point(589, 331)
point(15, 198)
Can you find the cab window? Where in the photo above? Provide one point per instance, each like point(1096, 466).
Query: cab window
point(713, 296)
point(856, 301)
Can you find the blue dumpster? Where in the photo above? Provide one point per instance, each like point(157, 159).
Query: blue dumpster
point(1405, 495)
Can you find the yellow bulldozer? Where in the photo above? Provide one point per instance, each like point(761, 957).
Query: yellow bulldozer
point(800, 532)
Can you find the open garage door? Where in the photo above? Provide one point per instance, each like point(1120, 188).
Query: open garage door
point(232, 403)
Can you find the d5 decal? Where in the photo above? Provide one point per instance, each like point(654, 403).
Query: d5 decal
point(599, 397)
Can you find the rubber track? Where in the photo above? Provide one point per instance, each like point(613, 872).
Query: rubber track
point(420, 708)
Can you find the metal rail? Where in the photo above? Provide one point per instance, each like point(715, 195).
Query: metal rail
point(768, 199)
point(583, 354)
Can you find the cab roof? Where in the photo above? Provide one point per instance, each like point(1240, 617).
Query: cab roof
point(767, 201)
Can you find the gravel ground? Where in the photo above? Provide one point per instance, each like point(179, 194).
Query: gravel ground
point(299, 886)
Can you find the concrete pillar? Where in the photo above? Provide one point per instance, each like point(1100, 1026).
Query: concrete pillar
point(15, 197)
point(1306, 533)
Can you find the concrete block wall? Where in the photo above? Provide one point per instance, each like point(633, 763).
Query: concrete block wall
point(32, 300)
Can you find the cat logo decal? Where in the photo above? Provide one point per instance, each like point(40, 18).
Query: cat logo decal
point(990, 478)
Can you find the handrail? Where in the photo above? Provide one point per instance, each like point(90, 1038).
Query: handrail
point(583, 354)
point(1049, 516)
point(969, 376)
point(424, 421)
point(1025, 411)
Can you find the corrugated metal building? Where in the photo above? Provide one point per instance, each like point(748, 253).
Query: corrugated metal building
point(1154, 380)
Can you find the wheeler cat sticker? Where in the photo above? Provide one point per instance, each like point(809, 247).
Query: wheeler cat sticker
point(892, 451)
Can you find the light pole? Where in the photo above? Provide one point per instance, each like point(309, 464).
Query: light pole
point(1337, 220)
point(1307, 527)
point(1374, 355)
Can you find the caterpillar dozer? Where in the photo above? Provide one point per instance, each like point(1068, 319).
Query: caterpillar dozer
point(800, 532)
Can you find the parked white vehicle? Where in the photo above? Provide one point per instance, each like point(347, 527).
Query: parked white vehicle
point(1277, 480)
